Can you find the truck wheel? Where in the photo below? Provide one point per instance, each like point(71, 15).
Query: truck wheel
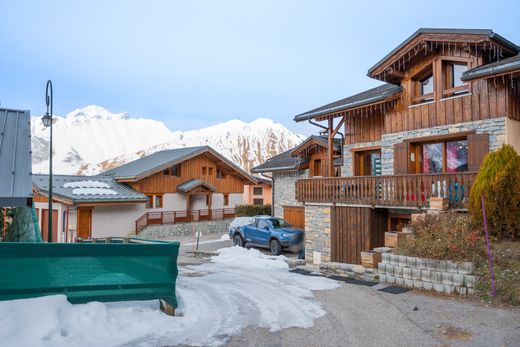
point(276, 248)
point(238, 241)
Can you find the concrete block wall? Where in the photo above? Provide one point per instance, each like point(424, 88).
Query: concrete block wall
point(183, 229)
point(437, 275)
point(317, 233)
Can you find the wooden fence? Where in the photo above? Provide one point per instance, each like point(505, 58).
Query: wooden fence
point(408, 191)
point(174, 217)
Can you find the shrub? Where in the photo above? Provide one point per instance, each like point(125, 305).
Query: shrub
point(252, 210)
point(498, 181)
point(446, 236)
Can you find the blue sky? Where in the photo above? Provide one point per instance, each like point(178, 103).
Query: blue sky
point(196, 63)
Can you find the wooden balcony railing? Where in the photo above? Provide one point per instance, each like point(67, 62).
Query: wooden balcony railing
point(174, 217)
point(407, 191)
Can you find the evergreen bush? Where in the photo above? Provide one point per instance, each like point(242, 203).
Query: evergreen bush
point(252, 210)
point(498, 181)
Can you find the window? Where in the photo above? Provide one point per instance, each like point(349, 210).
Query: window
point(317, 167)
point(204, 171)
point(367, 163)
point(424, 86)
point(176, 170)
point(226, 199)
point(149, 202)
point(220, 174)
point(207, 200)
point(453, 83)
point(262, 224)
point(441, 156)
point(258, 202)
point(210, 171)
point(167, 172)
point(158, 201)
point(258, 190)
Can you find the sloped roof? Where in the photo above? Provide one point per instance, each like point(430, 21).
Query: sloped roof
point(323, 140)
point(189, 185)
point(483, 32)
point(15, 158)
point(68, 187)
point(161, 160)
point(281, 162)
point(508, 65)
point(370, 96)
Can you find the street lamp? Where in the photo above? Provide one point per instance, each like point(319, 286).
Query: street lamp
point(47, 122)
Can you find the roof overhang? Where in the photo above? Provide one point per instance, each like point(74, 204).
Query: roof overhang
point(193, 184)
point(98, 201)
point(509, 66)
point(428, 40)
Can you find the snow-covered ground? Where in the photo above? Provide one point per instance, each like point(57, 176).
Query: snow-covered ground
point(238, 288)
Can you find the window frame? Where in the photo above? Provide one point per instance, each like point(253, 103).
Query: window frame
point(226, 199)
point(150, 201)
point(159, 198)
point(416, 146)
point(418, 96)
point(448, 83)
point(259, 200)
point(358, 155)
point(255, 192)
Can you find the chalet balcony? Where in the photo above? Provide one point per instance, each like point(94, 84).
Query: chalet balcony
point(394, 191)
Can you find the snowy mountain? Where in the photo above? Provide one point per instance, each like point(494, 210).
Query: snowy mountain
point(91, 140)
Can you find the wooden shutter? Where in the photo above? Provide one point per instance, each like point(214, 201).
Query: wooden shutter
point(400, 158)
point(478, 147)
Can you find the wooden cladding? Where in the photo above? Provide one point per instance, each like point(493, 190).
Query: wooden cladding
point(201, 167)
point(355, 230)
point(401, 158)
point(403, 191)
point(478, 147)
point(295, 215)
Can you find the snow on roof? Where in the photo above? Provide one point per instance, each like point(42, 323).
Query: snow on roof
point(93, 191)
point(86, 184)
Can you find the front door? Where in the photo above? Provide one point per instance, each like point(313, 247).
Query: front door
point(45, 225)
point(84, 226)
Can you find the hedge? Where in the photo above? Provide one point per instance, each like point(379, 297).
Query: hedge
point(252, 210)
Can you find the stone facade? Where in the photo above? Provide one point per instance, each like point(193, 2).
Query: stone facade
point(284, 186)
point(183, 229)
point(438, 275)
point(496, 128)
point(317, 233)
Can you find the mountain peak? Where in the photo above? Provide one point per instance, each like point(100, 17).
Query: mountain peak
point(95, 112)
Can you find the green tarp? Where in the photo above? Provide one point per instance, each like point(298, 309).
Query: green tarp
point(24, 227)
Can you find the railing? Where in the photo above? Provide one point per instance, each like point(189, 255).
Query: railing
point(409, 191)
point(174, 217)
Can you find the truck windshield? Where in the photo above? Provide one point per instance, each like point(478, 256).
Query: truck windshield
point(279, 223)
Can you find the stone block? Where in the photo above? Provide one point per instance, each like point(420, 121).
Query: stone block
point(370, 259)
point(442, 265)
point(428, 285)
point(411, 261)
point(408, 283)
point(470, 291)
point(382, 278)
point(381, 268)
point(416, 217)
point(447, 278)
point(383, 249)
point(416, 274)
point(426, 275)
point(466, 268)
point(385, 257)
point(438, 287)
point(436, 277)
point(344, 267)
point(390, 279)
point(448, 289)
point(392, 239)
point(394, 259)
point(417, 284)
point(398, 271)
point(358, 269)
point(451, 266)
point(402, 260)
point(389, 269)
point(399, 281)
point(461, 290)
point(419, 263)
point(458, 280)
point(470, 280)
point(407, 273)
point(430, 264)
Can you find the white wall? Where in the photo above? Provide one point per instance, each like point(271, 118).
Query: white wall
point(115, 220)
point(513, 133)
point(236, 199)
point(55, 206)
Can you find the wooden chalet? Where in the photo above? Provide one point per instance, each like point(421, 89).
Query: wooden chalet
point(449, 96)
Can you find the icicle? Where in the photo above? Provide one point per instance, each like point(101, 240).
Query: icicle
point(443, 48)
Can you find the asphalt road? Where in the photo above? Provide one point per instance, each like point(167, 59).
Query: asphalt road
point(364, 316)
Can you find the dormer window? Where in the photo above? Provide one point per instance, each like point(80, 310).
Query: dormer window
point(453, 83)
point(424, 86)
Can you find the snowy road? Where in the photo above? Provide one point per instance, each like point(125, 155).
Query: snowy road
point(239, 288)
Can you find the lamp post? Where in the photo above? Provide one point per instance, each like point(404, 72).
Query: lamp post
point(47, 122)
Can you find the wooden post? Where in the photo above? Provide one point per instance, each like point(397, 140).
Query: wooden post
point(330, 150)
point(210, 217)
point(188, 214)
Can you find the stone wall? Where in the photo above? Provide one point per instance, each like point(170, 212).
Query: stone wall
point(182, 229)
point(438, 275)
point(317, 233)
point(496, 128)
point(348, 270)
point(284, 185)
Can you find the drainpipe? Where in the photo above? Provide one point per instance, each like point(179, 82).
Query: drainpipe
point(272, 192)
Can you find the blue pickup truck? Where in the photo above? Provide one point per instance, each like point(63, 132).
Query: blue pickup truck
point(267, 232)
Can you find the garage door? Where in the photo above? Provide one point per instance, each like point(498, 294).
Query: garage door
point(294, 215)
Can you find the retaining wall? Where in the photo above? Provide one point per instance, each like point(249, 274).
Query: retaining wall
point(182, 229)
point(437, 275)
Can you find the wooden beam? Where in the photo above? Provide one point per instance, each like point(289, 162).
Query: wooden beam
point(330, 149)
point(335, 132)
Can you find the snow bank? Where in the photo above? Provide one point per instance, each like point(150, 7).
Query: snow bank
point(238, 288)
point(93, 191)
point(86, 184)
